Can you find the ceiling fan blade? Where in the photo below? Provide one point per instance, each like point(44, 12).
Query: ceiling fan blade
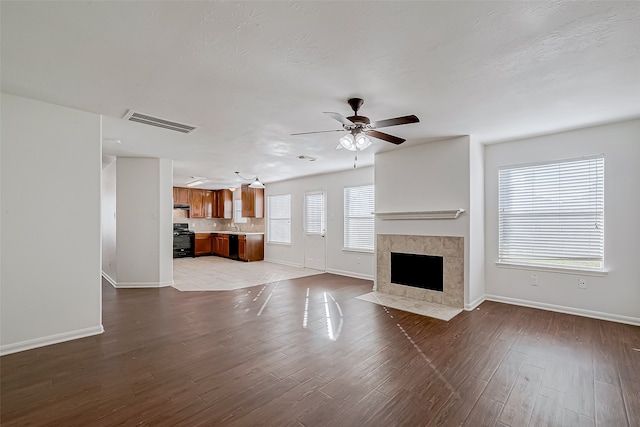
point(385, 137)
point(339, 117)
point(320, 131)
point(405, 120)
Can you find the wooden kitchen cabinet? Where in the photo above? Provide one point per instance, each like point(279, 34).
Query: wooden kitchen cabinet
point(251, 247)
point(209, 204)
point(225, 246)
point(224, 204)
point(203, 244)
point(252, 202)
point(181, 196)
point(197, 203)
point(221, 244)
point(242, 248)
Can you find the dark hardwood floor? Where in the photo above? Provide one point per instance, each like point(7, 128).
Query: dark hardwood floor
point(253, 357)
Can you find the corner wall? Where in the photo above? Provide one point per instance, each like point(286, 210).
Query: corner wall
point(144, 230)
point(615, 296)
point(108, 198)
point(338, 261)
point(50, 282)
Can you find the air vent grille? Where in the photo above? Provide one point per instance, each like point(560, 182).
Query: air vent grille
point(146, 119)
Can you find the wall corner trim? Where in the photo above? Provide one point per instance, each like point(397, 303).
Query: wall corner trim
point(474, 304)
point(109, 279)
point(49, 340)
point(567, 310)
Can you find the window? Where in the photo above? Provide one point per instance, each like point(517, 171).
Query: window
point(358, 218)
point(237, 212)
point(279, 218)
point(552, 214)
point(314, 212)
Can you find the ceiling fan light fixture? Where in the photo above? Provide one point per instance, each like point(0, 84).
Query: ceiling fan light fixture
point(348, 142)
point(362, 141)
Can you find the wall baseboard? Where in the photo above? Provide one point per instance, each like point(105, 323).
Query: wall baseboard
point(474, 304)
point(51, 339)
point(290, 264)
point(349, 274)
point(130, 285)
point(109, 279)
point(567, 310)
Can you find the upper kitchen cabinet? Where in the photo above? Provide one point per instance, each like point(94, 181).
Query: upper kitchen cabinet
point(197, 203)
point(209, 204)
point(225, 204)
point(181, 196)
point(252, 202)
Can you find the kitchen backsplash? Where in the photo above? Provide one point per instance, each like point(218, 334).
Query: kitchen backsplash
point(253, 225)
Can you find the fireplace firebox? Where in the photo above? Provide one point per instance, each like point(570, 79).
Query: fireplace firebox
point(417, 270)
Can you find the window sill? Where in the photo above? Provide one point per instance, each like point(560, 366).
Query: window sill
point(278, 243)
point(576, 271)
point(359, 251)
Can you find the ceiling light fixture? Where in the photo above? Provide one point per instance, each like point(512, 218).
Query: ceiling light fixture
point(255, 184)
point(355, 141)
point(197, 180)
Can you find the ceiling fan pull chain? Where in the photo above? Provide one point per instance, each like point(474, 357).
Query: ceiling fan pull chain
point(355, 158)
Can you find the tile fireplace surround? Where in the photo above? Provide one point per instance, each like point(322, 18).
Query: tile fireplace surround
point(448, 247)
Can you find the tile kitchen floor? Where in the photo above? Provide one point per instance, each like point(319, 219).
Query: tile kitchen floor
point(214, 273)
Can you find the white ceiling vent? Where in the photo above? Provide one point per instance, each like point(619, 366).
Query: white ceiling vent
point(146, 119)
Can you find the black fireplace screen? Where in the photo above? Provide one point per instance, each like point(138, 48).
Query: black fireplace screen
point(419, 271)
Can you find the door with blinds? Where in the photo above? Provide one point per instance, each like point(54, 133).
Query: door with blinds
point(315, 248)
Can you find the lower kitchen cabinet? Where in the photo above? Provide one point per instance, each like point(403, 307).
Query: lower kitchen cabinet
point(221, 244)
point(203, 244)
point(251, 247)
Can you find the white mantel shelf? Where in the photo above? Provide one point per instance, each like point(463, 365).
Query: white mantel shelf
point(447, 214)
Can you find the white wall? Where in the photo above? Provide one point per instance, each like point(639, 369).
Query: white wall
point(428, 177)
point(476, 224)
point(144, 227)
point(356, 264)
point(109, 260)
point(615, 296)
point(50, 267)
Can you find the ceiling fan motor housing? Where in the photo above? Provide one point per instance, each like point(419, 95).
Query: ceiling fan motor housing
point(355, 104)
point(359, 120)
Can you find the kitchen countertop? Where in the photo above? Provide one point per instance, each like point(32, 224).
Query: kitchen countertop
point(225, 232)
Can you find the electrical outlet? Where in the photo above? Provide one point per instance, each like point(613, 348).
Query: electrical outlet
point(534, 280)
point(358, 260)
point(582, 283)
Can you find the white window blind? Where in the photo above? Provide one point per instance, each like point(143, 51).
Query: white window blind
point(553, 214)
point(237, 212)
point(279, 218)
point(358, 218)
point(314, 213)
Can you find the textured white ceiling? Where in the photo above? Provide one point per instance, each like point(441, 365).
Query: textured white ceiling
point(251, 73)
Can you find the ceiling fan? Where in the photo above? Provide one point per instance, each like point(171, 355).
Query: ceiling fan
point(360, 127)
